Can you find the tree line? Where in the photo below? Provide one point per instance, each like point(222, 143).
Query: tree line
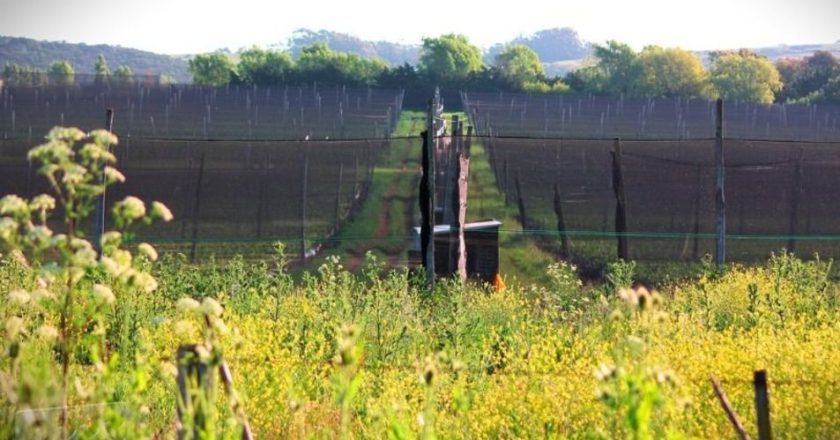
point(451, 61)
point(63, 73)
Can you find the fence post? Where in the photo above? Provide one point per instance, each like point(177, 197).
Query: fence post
point(727, 408)
point(338, 198)
point(762, 405)
point(461, 218)
point(99, 219)
point(720, 201)
point(794, 202)
point(697, 194)
point(520, 202)
point(260, 202)
point(427, 196)
point(561, 221)
point(192, 372)
point(303, 204)
point(196, 206)
point(506, 180)
point(620, 201)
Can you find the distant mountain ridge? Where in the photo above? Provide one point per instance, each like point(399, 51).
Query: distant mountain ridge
point(392, 53)
point(40, 54)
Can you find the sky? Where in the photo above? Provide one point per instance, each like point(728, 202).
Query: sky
point(195, 26)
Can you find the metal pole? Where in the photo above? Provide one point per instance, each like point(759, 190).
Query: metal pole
point(99, 219)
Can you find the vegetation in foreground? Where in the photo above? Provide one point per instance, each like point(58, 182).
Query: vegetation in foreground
point(90, 340)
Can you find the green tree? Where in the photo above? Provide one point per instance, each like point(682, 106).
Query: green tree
point(319, 63)
point(813, 73)
point(744, 76)
point(619, 70)
point(671, 72)
point(100, 67)
point(259, 66)
point(788, 69)
point(212, 69)
point(22, 76)
point(62, 72)
point(124, 74)
point(518, 64)
point(830, 92)
point(449, 57)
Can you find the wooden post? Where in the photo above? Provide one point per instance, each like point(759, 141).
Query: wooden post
point(762, 405)
point(236, 405)
point(461, 218)
point(696, 229)
point(520, 202)
point(196, 207)
point(505, 178)
point(338, 198)
point(727, 408)
point(561, 222)
point(720, 202)
point(452, 202)
point(620, 201)
point(303, 204)
point(796, 192)
point(192, 372)
point(99, 219)
point(427, 196)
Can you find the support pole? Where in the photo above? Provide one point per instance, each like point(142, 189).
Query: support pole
point(796, 194)
point(303, 205)
point(620, 201)
point(561, 221)
point(99, 219)
point(427, 197)
point(762, 405)
point(720, 201)
point(196, 207)
point(461, 218)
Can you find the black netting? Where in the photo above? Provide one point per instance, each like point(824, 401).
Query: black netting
point(231, 197)
point(778, 194)
point(232, 112)
point(570, 116)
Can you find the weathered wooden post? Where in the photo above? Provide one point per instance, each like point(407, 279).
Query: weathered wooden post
point(730, 412)
point(427, 196)
point(620, 201)
point(720, 201)
point(195, 388)
point(762, 405)
point(461, 218)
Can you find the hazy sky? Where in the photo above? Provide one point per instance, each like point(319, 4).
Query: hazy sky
point(190, 26)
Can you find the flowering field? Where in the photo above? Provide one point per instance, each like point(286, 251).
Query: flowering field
point(92, 336)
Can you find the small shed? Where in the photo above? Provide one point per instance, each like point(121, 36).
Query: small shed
point(482, 245)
